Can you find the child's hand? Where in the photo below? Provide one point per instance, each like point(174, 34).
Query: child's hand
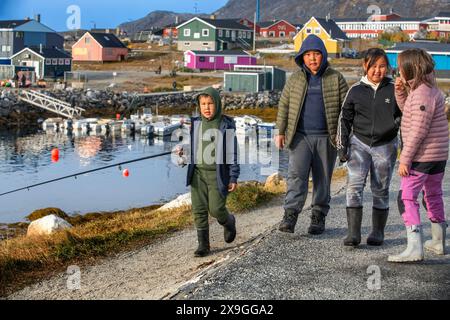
point(399, 84)
point(403, 170)
point(179, 151)
point(232, 187)
point(280, 140)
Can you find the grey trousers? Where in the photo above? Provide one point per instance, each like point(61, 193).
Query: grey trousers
point(380, 162)
point(310, 153)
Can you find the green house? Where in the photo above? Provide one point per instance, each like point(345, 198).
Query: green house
point(214, 35)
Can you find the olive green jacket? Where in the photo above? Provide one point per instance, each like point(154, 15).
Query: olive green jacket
point(334, 88)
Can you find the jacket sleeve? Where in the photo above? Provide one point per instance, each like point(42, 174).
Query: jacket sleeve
point(283, 108)
point(345, 121)
point(343, 89)
point(400, 97)
point(422, 112)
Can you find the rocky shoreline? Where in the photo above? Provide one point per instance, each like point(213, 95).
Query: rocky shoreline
point(15, 113)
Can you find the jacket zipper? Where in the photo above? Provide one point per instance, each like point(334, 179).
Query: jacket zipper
point(373, 116)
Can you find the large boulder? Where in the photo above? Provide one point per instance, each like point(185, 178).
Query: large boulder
point(275, 183)
point(181, 201)
point(47, 225)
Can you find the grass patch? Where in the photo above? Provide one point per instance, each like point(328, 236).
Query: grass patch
point(24, 260)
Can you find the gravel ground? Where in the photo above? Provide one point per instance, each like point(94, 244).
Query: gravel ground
point(300, 266)
point(265, 264)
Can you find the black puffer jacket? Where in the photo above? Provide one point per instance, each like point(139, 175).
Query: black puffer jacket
point(372, 116)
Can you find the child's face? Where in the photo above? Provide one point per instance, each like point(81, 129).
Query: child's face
point(378, 71)
point(313, 60)
point(207, 107)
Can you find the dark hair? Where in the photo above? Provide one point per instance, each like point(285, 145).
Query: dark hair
point(372, 55)
point(417, 64)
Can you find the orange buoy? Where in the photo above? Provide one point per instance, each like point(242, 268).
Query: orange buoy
point(117, 116)
point(55, 158)
point(126, 173)
point(55, 153)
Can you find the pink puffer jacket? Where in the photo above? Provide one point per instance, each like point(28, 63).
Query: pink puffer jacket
point(424, 125)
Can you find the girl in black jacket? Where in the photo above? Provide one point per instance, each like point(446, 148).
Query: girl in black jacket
point(367, 139)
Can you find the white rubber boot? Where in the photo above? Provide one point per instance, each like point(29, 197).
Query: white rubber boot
point(414, 250)
point(437, 242)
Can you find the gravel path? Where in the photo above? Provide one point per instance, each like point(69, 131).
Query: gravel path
point(265, 264)
point(300, 266)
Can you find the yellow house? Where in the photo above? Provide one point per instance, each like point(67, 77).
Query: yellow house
point(334, 38)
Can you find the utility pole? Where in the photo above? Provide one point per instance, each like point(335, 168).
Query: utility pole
point(254, 33)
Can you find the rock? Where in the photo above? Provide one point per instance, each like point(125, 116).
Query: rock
point(47, 225)
point(181, 201)
point(275, 183)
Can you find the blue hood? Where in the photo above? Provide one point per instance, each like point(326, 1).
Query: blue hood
point(312, 42)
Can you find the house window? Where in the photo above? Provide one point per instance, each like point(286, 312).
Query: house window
point(205, 44)
point(227, 33)
point(240, 34)
point(19, 34)
point(230, 60)
point(211, 59)
point(187, 44)
point(55, 62)
point(220, 33)
point(291, 34)
point(249, 35)
point(87, 40)
point(282, 34)
point(48, 62)
point(61, 62)
point(233, 33)
point(271, 33)
point(205, 32)
point(187, 32)
point(308, 30)
point(67, 62)
point(317, 31)
point(202, 59)
point(197, 35)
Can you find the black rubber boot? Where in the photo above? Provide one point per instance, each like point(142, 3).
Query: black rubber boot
point(354, 219)
point(289, 221)
point(379, 218)
point(203, 243)
point(317, 222)
point(229, 229)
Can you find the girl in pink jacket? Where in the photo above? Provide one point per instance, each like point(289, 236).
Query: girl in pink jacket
point(424, 154)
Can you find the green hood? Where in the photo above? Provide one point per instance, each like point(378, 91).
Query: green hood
point(213, 93)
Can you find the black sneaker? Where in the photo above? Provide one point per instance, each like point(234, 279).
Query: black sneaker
point(317, 223)
point(289, 221)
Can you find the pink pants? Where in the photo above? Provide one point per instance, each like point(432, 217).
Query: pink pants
point(411, 187)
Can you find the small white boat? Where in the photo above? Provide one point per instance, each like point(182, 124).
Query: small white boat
point(165, 129)
point(147, 129)
point(128, 126)
point(246, 124)
point(52, 123)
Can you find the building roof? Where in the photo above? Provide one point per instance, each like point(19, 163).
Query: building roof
point(266, 24)
point(428, 46)
point(443, 14)
point(400, 19)
point(107, 40)
point(47, 52)
point(226, 23)
point(11, 24)
point(220, 53)
point(332, 28)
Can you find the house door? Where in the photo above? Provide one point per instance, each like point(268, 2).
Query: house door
point(224, 45)
point(233, 35)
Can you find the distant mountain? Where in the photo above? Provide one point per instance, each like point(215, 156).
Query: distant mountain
point(297, 11)
point(155, 20)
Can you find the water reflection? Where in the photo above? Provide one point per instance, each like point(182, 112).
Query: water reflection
point(25, 159)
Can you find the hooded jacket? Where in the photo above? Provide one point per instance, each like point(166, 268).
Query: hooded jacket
point(313, 118)
point(424, 124)
point(226, 158)
point(371, 113)
point(334, 88)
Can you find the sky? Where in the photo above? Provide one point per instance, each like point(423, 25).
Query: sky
point(102, 13)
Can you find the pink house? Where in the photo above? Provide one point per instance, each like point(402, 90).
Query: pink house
point(99, 47)
point(217, 60)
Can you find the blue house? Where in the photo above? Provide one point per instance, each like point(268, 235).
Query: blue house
point(15, 35)
point(439, 51)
